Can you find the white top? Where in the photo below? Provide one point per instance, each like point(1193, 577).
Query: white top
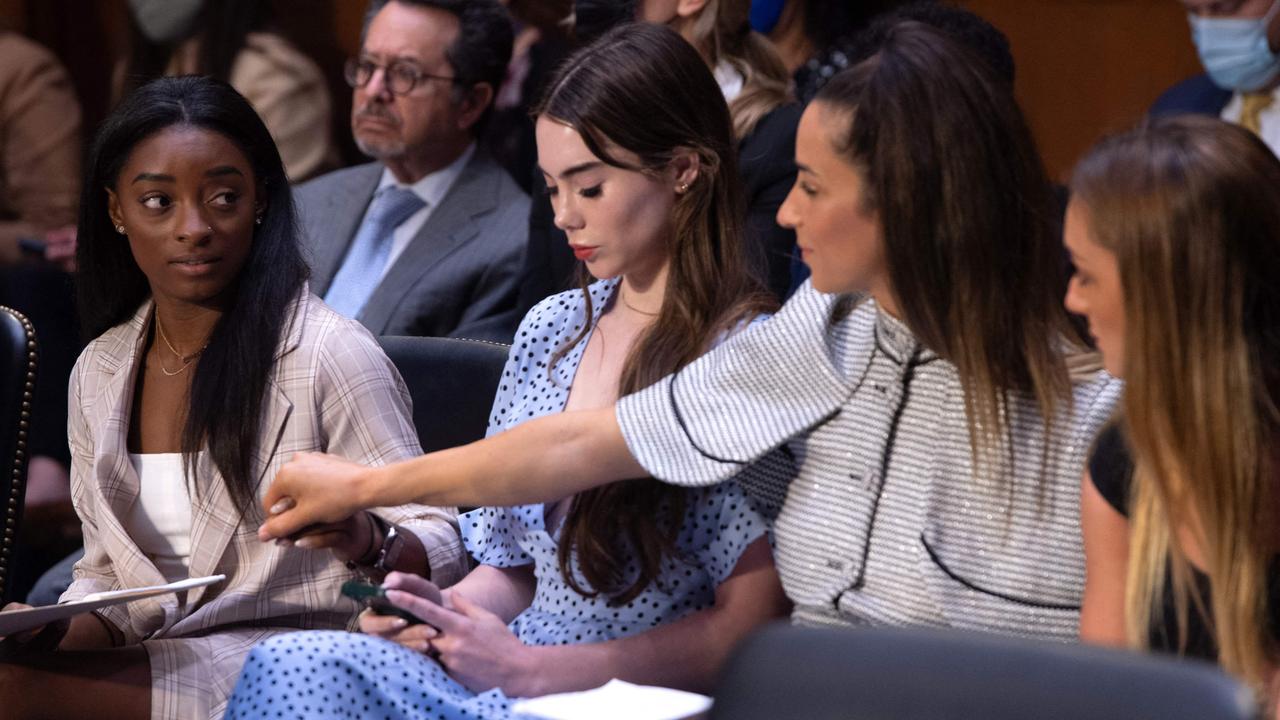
point(160, 519)
point(431, 188)
point(1268, 120)
point(729, 80)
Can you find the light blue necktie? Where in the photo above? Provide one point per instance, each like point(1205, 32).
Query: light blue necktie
point(361, 271)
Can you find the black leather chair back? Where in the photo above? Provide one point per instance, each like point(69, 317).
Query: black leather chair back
point(452, 382)
point(914, 674)
point(17, 388)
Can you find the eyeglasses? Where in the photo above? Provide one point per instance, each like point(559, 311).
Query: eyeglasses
point(400, 76)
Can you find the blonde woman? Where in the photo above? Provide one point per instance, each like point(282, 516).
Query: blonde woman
point(1175, 231)
point(757, 87)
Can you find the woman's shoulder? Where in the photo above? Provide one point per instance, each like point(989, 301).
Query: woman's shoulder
point(270, 58)
point(1095, 394)
point(315, 331)
point(117, 343)
point(1111, 467)
point(569, 306)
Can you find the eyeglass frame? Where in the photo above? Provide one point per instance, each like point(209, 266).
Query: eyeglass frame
point(351, 69)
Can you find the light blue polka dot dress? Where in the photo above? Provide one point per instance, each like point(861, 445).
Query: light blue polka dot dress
point(344, 675)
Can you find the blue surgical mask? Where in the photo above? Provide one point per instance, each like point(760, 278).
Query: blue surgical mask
point(1235, 51)
point(765, 14)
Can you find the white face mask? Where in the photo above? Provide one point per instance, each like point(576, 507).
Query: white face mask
point(166, 21)
point(1235, 51)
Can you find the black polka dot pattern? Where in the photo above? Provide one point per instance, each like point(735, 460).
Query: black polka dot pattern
point(337, 675)
point(324, 675)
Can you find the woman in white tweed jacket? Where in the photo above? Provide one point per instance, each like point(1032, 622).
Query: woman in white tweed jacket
point(922, 446)
point(213, 366)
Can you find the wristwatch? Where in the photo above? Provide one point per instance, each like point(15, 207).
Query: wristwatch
point(392, 546)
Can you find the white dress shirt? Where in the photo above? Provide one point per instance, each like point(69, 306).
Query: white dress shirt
point(1268, 119)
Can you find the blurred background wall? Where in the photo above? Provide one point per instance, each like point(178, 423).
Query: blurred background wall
point(1085, 67)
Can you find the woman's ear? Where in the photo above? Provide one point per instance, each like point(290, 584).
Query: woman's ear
point(113, 208)
point(690, 8)
point(684, 169)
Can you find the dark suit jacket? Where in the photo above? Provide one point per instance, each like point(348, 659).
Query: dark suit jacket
point(1197, 95)
point(766, 164)
point(458, 277)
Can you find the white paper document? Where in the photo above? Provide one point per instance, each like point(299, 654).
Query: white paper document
point(616, 700)
point(19, 620)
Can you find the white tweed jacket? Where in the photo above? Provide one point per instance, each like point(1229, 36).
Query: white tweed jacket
point(855, 437)
point(332, 390)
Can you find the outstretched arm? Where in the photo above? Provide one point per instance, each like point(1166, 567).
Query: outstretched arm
point(538, 461)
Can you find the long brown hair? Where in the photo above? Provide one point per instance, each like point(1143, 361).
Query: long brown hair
point(953, 173)
point(1191, 209)
point(642, 88)
point(723, 33)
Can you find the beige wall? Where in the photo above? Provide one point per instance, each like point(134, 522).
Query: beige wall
point(1087, 67)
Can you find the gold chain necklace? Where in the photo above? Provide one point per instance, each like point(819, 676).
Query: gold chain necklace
point(633, 308)
point(186, 359)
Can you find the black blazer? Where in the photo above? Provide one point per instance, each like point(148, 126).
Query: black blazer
point(767, 164)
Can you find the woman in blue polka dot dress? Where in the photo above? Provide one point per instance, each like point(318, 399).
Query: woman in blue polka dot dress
point(642, 581)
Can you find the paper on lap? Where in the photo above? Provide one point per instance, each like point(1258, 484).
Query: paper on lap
point(17, 621)
point(617, 700)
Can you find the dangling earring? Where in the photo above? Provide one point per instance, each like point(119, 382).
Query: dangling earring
point(257, 220)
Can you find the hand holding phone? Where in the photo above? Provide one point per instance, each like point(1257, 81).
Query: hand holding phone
point(375, 598)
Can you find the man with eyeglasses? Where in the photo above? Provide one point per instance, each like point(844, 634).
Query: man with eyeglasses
point(430, 238)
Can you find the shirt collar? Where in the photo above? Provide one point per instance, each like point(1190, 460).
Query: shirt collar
point(431, 187)
point(729, 80)
point(897, 341)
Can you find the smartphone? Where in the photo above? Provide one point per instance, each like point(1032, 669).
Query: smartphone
point(375, 598)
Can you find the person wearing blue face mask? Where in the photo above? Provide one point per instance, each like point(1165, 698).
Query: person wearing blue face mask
point(1238, 43)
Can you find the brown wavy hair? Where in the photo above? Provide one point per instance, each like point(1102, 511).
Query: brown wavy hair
point(973, 259)
point(643, 89)
point(1190, 207)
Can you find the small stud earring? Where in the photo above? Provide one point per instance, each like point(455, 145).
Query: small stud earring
point(682, 188)
point(120, 229)
point(257, 220)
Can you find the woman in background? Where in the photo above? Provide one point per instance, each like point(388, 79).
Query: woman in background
point(755, 84)
point(234, 41)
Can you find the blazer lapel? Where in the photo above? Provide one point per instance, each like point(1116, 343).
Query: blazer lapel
point(336, 224)
point(450, 225)
point(115, 480)
point(215, 520)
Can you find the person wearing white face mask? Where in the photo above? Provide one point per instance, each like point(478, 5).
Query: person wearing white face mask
point(1239, 46)
point(238, 42)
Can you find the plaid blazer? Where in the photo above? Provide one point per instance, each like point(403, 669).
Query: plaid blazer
point(332, 390)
